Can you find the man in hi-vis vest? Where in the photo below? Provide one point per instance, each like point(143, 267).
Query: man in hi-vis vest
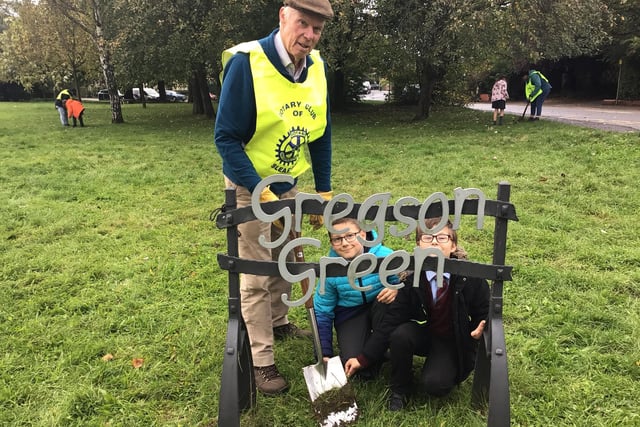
point(273, 105)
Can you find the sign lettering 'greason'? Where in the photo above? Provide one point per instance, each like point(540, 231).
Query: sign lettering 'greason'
point(381, 200)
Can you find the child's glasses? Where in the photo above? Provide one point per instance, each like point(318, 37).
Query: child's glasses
point(347, 238)
point(440, 238)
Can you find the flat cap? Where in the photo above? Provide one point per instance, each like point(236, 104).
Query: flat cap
point(321, 8)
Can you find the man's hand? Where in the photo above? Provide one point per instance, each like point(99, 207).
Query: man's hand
point(386, 295)
point(477, 333)
point(317, 221)
point(268, 196)
point(351, 367)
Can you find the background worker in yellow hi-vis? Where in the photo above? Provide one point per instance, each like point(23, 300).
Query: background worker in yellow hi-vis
point(273, 105)
point(536, 89)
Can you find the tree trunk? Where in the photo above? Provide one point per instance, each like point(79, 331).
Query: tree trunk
point(110, 79)
point(427, 78)
point(143, 97)
point(76, 83)
point(107, 67)
point(338, 100)
point(196, 95)
point(96, 33)
point(162, 90)
point(200, 92)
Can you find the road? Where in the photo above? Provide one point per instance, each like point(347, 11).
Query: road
point(619, 118)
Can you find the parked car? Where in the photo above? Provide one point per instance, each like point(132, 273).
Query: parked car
point(174, 96)
point(103, 95)
point(149, 94)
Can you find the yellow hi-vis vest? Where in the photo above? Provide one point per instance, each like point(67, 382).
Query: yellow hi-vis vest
point(63, 92)
point(529, 87)
point(289, 115)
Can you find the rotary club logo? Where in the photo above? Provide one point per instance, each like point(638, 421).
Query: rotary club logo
point(288, 149)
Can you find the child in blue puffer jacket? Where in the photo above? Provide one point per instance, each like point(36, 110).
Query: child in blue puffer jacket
point(353, 313)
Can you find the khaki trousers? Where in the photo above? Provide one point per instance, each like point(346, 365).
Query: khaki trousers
point(261, 303)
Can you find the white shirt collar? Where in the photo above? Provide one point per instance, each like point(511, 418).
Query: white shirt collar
point(286, 60)
point(431, 275)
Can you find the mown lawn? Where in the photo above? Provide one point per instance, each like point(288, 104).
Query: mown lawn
point(113, 308)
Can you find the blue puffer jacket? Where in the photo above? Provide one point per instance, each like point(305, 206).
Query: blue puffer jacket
point(340, 301)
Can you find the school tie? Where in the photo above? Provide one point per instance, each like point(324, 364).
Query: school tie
point(440, 291)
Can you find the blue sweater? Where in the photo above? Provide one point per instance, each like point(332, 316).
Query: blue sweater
point(236, 123)
point(341, 302)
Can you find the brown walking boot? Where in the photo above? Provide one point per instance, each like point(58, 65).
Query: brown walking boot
point(269, 381)
point(290, 331)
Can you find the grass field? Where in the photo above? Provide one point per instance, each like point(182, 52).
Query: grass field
point(113, 309)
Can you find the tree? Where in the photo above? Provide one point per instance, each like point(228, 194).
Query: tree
point(555, 29)
point(89, 15)
point(350, 47)
point(182, 40)
point(445, 40)
point(427, 35)
point(624, 51)
point(65, 58)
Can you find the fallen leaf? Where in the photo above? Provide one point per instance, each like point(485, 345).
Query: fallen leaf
point(107, 357)
point(137, 362)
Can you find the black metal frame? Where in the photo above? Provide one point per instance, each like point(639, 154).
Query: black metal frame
point(491, 379)
point(238, 387)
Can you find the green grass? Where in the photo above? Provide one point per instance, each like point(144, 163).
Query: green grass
point(107, 248)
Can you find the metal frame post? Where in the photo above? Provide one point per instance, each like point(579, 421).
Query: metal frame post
point(491, 377)
point(237, 388)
